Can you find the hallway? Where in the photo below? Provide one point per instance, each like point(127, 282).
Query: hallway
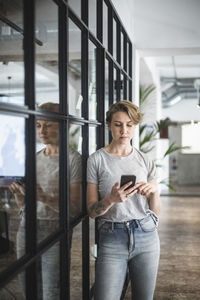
point(179, 230)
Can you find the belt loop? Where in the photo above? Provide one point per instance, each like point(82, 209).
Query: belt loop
point(137, 223)
point(112, 227)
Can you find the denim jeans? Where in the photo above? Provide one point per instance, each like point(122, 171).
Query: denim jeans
point(48, 275)
point(134, 245)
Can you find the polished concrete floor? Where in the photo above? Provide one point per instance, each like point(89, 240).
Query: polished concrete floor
point(179, 231)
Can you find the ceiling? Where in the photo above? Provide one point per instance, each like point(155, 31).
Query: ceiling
point(169, 31)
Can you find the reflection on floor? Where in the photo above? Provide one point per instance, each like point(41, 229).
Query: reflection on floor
point(179, 230)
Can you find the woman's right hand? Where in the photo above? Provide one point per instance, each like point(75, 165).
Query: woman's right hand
point(18, 191)
point(123, 193)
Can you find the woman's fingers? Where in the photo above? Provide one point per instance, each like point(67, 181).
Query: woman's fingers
point(17, 188)
point(125, 186)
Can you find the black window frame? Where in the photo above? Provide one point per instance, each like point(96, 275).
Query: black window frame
point(29, 112)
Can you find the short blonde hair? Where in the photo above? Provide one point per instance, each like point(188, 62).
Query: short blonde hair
point(49, 106)
point(125, 106)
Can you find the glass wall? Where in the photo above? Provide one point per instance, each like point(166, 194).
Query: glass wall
point(62, 64)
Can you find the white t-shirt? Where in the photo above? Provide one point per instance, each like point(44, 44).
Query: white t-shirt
point(105, 169)
point(47, 181)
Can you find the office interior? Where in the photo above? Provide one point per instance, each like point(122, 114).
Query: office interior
point(85, 55)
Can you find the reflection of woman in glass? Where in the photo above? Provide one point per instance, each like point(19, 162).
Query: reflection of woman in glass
point(47, 163)
point(126, 215)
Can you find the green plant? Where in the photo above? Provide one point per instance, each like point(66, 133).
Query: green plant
point(146, 136)
point(145, 92)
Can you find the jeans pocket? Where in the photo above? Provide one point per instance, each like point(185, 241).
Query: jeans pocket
point(148, 224)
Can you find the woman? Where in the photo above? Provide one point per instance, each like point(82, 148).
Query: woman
point(47, 187)
point(127, 216)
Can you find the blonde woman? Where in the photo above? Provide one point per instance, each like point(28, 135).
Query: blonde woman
point(127, 216)
point(47, 187)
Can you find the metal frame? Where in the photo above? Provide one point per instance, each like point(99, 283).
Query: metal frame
point(28, 111)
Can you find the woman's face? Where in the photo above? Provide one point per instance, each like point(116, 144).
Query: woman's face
point(47, 131)
point(122, 128)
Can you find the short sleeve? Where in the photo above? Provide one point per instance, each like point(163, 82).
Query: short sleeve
point(75, 167)
point(92, 175)
point(152, 170)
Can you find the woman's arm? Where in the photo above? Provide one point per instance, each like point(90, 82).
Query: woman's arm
point(150, 190)
point(18, 190)
point(75, 198)
point(98, 208)
point(95, 207)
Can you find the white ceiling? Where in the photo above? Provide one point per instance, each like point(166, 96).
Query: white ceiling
point(166, 29)
point(171, 24)
point(169, 31)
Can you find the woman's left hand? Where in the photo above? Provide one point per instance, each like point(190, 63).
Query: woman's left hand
point(147, 188)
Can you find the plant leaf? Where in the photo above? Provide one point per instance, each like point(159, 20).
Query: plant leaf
point(147, 138)
point(169, 185)
point(145, 92)
point(172, 148)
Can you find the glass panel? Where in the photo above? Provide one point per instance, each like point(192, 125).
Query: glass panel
point(125, 88)
point(76, 6)
point(76, 264)
point(48, 273)
point(46, 29)
point(106, 135)
point(128, 68)
point(92, 140)
point(114, 39)
point(92, 81)
point(122, 88)
point(74, 75)
point(12, 188)
point(122, 49)
point(93, 251)
point(47, 171)
point(106, 86)
point(11, 53)
point(75, 161)
point(115, 86)
point(13, 290)
point(105, 25)
point(92, 16)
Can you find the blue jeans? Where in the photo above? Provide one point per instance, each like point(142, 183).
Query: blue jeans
point(48, 276)
point(134, 245)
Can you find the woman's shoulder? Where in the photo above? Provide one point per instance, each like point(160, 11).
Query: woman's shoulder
point(96, 156)
point(74, 153)
point(141, 155)
point(40, 153)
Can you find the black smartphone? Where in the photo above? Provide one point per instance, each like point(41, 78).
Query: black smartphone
point(127, 178)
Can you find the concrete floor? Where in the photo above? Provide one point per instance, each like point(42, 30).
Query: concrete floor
point(179, 269)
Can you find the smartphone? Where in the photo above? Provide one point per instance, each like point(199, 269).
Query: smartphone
point(127, 178)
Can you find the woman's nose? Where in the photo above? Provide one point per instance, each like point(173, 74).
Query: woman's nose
point(43, 129)
point(123, 129)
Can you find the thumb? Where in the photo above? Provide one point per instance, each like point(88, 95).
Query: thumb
point(116, 184)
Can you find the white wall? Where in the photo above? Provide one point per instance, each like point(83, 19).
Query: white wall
point(125, 11)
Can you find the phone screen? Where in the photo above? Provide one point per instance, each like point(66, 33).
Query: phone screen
point(127, 178)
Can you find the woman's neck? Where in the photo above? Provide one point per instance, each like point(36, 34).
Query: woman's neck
point(119, 150)
point(51, 150)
